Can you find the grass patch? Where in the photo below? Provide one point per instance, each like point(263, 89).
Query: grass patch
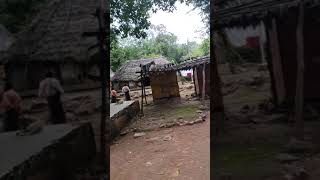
point(185, 111)
point(246, 161)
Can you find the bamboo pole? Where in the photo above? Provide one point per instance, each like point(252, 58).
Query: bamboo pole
point(300, 75)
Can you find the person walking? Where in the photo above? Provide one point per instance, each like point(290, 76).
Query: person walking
point(10, 103)
point(50, 88)
point(126, 91)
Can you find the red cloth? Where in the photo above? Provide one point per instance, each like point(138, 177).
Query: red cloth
point(10, 100)
point(253, 42)
point(114, 93)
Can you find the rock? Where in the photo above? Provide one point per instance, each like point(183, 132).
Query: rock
point(278, 118)
point(86, 109)
point(245, 109)
point(263, 67)
point(71, 117)
point(38, 105)
point(148, 164)
point(124, 133)
point(295, 172)
point(190, 87)
point(297, 146)
point(136, 135)
point(203, 116)
point(167, 138)
point(286, 158)
point(198, 120)
point(202, 107)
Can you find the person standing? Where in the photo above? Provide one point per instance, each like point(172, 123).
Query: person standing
point(113, 96)
point(10, 103)
point(126, 91)
point(50, 88)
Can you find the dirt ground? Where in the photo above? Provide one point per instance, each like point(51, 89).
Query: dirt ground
point(256, 143)
point(171, 153)
point(175, 144)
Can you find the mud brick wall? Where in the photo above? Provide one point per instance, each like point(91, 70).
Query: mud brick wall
point(164, 85)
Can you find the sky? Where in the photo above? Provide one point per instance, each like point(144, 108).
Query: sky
point(183, 22)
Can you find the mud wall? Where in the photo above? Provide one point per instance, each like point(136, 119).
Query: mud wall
point(164, 85)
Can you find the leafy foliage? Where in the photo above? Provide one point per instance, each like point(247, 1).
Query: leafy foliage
point(130, 17)
point(159, 43)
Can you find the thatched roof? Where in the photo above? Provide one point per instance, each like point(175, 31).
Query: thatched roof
point(55, 34)
point(186, 65)
point(127, 72)
point(231, 13)
point(6, 39)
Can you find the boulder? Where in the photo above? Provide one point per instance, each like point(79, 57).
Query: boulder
point(298, 146)
point(286, 158)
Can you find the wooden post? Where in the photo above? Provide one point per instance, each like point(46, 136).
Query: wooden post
point(196, 81)
point(103, 69)
point(300, 75)
point(276, 62)
point(270, 65)
point(217, 97)
point(141, 89)
point(144, 79)
point(203, 81)
point(263, 59)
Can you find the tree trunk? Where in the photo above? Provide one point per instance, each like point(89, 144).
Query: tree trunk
point(300, 75)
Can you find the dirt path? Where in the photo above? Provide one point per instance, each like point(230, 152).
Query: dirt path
point(174, 153)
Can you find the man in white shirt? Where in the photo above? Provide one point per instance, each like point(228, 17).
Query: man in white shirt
point(50, 88)
point(126, 91)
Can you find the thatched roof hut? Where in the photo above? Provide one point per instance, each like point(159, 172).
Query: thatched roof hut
point(54, 41)
point(127, 71)
point(6, 39)
point(55, 34)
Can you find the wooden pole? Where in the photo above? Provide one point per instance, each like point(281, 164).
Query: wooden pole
point(300, 75)
point(141, 89)
point(268, 59)
point(103, 69)
point(144, 79)
point(196, 80)
point(217, 97)
point(276, 62)
point(203, 82)
point(263, 59)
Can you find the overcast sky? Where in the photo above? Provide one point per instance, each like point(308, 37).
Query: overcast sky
point(183, 22)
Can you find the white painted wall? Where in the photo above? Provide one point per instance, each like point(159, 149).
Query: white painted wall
point(237, 36)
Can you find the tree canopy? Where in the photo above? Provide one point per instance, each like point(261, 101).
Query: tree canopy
point(159, 42)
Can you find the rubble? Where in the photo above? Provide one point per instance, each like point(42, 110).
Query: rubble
point(136, 135)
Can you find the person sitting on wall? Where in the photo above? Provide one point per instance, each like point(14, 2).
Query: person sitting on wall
point(126, 92)
point(50, 88)
point(10, 103)
point(113, 96)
